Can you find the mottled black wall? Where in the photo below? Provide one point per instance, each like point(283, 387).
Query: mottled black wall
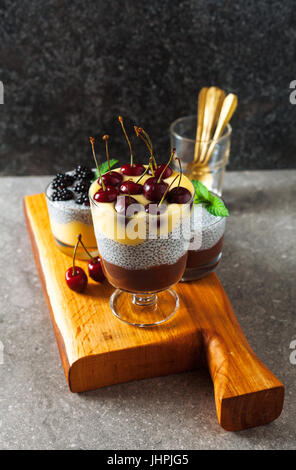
point(70, 67)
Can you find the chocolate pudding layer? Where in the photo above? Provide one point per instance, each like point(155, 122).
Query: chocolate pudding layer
point(153, 279)
point(197, 258)
point(209, 229)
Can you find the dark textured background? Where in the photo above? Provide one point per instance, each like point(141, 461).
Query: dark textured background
point(70, 67)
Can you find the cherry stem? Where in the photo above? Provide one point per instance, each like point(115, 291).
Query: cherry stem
point(168, 163)
point(151, 166)
point(147, 141)
point(166, 191)
point(86, 250)
point(92, 141)
point(143, 174)
point(106, 138)
point(127, 139)
point(74, 254)
point(150, 143)
point(180, 166)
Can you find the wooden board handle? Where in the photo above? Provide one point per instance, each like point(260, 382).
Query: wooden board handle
point(247, 394)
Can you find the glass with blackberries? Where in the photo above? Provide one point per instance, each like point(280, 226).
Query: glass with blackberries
point(69, 211)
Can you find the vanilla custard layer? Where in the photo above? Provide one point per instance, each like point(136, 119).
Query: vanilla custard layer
point(67, 233)
point(108, 224)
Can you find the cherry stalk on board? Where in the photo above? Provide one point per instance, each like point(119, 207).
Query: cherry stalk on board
point(95, 270)
point(75, 276)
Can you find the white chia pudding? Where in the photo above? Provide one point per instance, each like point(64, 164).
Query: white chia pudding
point(210, 227)
point(148, 253)
point(67, 211)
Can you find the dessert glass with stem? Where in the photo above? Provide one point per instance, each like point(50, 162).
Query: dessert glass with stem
point(143, 255)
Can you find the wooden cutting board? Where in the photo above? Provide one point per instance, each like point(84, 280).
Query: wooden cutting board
point(97, 349)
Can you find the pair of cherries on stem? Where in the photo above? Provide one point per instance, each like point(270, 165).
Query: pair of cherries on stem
point(133, 187)
point(155, 189)
point(155, 170)
point(111, 180)
point(76, 277)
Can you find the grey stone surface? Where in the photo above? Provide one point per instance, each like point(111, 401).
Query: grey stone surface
point(175, 412)
point(69, 68)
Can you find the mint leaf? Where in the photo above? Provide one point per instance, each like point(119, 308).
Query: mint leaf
point(217, 208)
point(210, 202)
point(104, 167)
point(201, 191)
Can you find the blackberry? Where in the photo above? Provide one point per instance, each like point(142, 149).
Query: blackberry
point(82, 199)
point(82, 186)
point(62, 180)
point(58, 184)
point(82, 172)
point(63, 194)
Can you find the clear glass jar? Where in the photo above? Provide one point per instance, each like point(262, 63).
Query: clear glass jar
point(211, 171)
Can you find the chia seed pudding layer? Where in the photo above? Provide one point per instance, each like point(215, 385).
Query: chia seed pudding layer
point(64, 212)
point(149, 253)
point(212, 228)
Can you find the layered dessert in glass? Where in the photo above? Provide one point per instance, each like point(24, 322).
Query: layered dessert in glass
point(69, 211)
point(143, 229)
point(134, 262)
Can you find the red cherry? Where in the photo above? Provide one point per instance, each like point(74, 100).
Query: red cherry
point(130, 187)
point(155, 209)
point(157, 172)
point(135, 169)
point(109, 195)
point(112, 178)
point(95, 270)
point(76, 279)
point(154, 190)
point(123, 202)
point(179, 195)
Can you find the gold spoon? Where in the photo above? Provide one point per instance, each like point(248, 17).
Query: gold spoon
point(200, 119)
point(228, 108)
point(212, 108)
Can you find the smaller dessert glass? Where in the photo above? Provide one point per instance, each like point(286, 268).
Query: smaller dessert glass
point(211, 171)
point(67, 221)
point(209, 230)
